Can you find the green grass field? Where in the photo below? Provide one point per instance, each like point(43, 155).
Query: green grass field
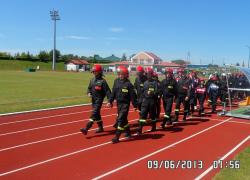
point(35, 90)
point(22, 65)
point(237, 174)
point(245, 110)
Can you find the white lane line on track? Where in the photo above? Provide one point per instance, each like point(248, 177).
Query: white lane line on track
point(106, 143)
point(224, 157)
point(43, 127)
point(46, 109)
point(158, 151)
point(60, 157)
point(239, 122)
point(53, 138)
point(232, 121)
point(46, 117)
point(71, 134)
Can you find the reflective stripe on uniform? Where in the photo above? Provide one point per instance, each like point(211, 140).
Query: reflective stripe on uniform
point(123, 128)
point(120, 128)
point(143, 120)
point(166, 116)
point(176, 110)
point(91, 120)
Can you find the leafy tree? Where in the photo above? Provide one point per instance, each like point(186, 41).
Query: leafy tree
point(179, 61)
point(84, 57)
point(124, 57)
point(58, 55)
point(30, 57)
point(43, 56)
point(5, 55)
point(95, 59)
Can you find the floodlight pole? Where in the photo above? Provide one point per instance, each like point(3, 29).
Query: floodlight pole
point(54, 17)
point(248, 56)
point(228, 91)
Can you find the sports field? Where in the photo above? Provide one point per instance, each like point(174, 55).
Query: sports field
point(18, 65)
point(22, 90)
point(28, 91)
point(49, 145)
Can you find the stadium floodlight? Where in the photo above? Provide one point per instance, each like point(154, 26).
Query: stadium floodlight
point(248, 56)
point(54, 17)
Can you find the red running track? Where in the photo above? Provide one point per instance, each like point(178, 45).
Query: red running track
point(48, 145)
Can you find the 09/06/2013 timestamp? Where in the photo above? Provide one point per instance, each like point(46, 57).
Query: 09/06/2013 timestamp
point(230, 164)
point(175, 164)
point(191, 164)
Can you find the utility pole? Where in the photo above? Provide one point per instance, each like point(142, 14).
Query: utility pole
point(54, 17)
point(248, 56)
point(188, 56)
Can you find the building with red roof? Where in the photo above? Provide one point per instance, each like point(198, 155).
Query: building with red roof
point(145, 59)
point(77, 65)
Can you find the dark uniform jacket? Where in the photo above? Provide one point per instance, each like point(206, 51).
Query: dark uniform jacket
point(98, 88)
point(184, 87)
point(123, 91)
point(223, 86)
point(139, 83)
point(168, 88)
point(150, 89)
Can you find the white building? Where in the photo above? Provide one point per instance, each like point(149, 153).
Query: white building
point(145, 59)
point(77, 65)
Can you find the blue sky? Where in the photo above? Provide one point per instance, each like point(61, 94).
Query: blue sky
point(208, 29)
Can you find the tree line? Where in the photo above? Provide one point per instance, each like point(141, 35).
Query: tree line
point(47, 56)
point(42, 56)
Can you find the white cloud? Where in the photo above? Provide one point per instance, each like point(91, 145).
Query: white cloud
point(78, 37)
point(116, 29)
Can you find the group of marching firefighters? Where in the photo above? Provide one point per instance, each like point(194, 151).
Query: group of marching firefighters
point(146, 94)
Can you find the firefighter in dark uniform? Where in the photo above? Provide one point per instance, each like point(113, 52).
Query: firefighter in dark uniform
point(98, 88)
point(168, 89)
point(194, 83)
point(179, 74)
point(201, 95)
point(149, 96)
point(231, 83)
point(158, 99)
point(223, 90)
point(183, 95)
point(123, 92)
point(212, 86)
point(240, 85)
point(139, 81)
